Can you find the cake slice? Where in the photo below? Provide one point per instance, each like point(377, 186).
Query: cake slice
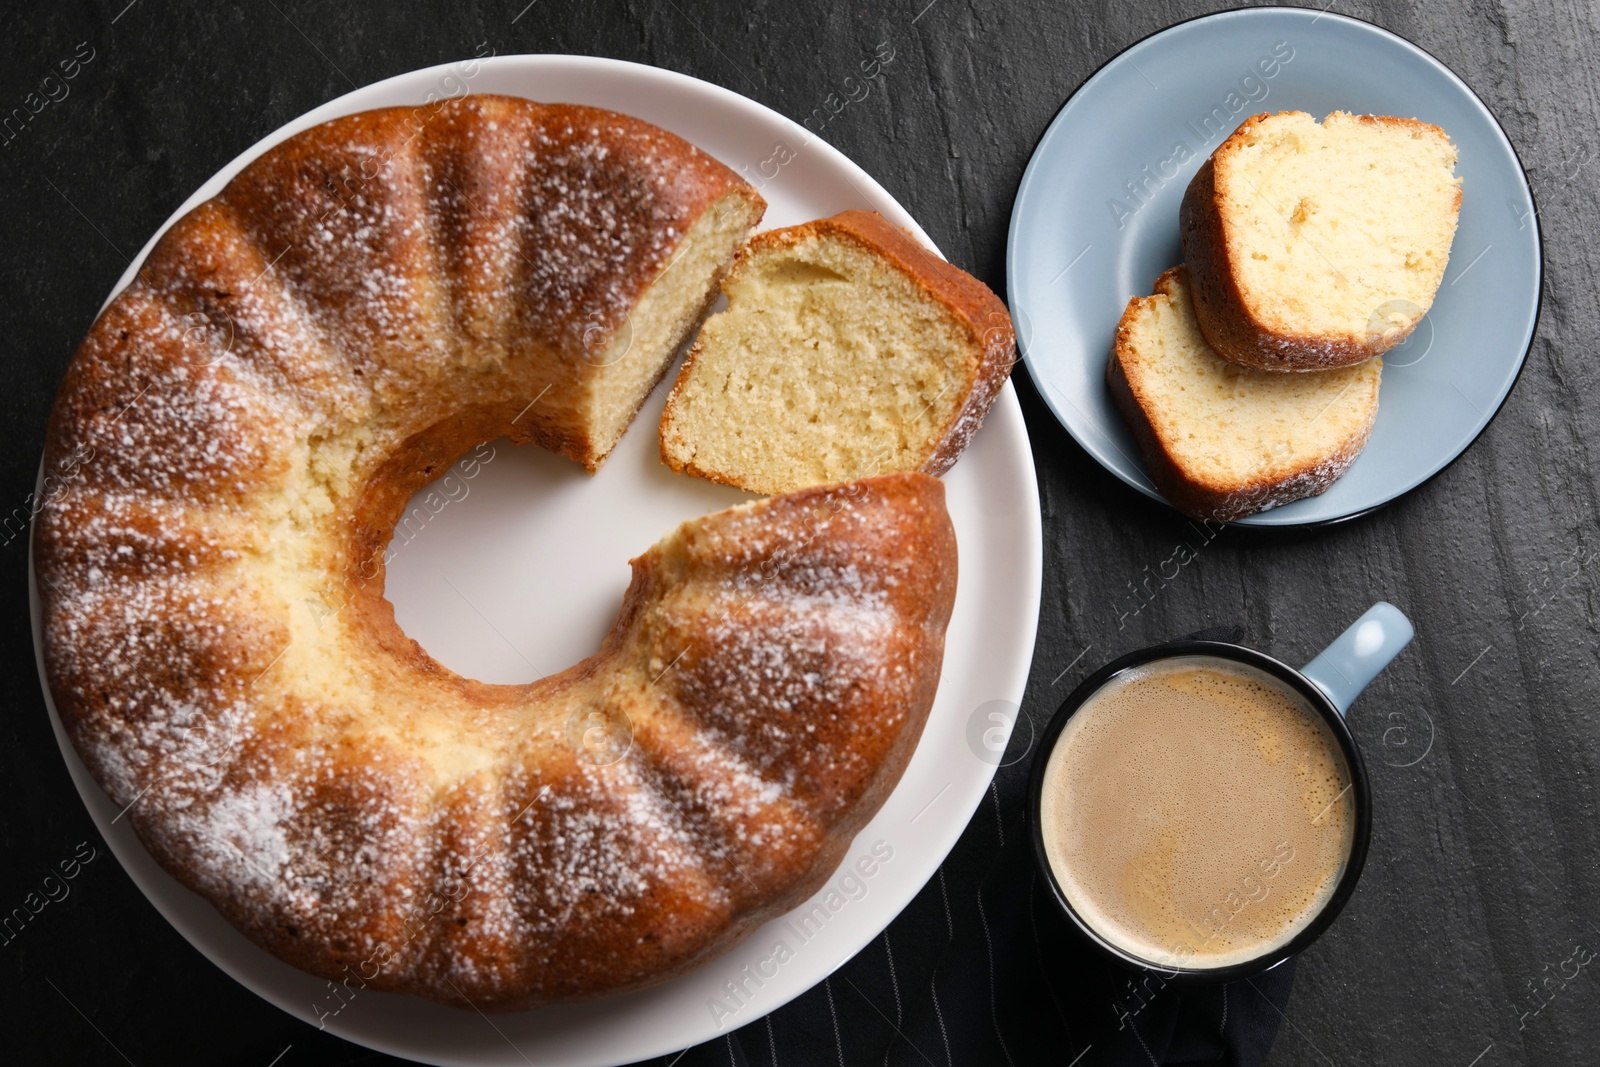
point(1313, 245)
point(846, 350)
point(1223, 441)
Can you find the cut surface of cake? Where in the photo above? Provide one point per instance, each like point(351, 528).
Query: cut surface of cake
point(1316, 245)
point(1223, 441)
point(846, 350)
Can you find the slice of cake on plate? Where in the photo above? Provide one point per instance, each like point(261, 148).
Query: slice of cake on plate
point(1317, 245)
point(847, 350)
point(1223, 441)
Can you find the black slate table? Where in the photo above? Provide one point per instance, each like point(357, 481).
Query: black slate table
point(1484, 737)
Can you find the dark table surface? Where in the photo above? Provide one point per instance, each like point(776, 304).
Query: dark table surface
point(1483, 737)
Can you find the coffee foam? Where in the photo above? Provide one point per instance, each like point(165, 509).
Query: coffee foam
point(1197, 812)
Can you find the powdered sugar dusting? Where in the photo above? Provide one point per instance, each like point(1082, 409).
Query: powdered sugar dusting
point(355, 812)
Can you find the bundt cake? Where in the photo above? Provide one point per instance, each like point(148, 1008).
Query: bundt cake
point(240, 431)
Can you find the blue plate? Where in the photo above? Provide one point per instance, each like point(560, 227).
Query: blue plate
point(1096, 219)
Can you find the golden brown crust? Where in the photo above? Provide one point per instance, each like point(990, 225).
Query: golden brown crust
point(229, 454)
point(894, 525)
point(992, 336)
point(487, 258)
point(1192, 495)
point(1231, 329)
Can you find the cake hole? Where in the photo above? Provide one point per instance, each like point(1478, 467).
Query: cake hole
point(515, 566)
point(800, 272)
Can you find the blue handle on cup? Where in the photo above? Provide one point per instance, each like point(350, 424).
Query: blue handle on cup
point(1343, 669)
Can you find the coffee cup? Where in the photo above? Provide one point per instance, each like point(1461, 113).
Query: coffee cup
point(1200, 809)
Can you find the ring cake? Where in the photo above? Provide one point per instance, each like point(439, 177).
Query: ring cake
point(230, 449)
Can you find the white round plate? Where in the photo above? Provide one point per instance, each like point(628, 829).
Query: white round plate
point(1096, 220)
point(522, 571)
